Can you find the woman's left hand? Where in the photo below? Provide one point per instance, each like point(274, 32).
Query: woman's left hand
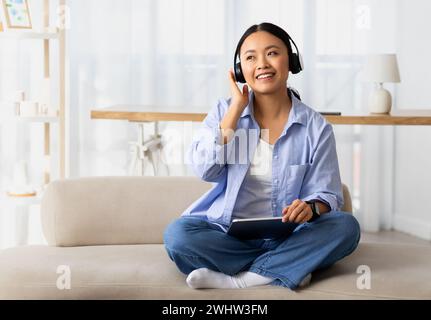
point(299, 212)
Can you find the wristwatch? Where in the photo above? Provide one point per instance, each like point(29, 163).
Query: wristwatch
point(315, 209)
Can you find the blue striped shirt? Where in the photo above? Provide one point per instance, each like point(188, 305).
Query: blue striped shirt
point(304, 161)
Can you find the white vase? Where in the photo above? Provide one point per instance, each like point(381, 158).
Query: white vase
point(380, 101)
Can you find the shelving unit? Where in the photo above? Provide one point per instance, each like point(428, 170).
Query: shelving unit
point(60, 36)
point(20, 201)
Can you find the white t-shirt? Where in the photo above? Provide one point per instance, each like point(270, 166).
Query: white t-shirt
point(257, 185)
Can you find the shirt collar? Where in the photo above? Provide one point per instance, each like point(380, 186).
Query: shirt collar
point(297, 113)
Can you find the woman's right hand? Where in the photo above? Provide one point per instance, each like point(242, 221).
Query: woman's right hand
point(239, 99)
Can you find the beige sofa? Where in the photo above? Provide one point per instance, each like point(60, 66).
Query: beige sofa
point(105, 241)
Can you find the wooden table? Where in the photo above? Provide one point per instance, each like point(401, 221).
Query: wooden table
point(147, 114)
point(142, 114)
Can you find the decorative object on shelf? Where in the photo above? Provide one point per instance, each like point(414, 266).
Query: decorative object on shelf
point(21, 187)
point(17, 14)
point(29, 109)
point(381, 68)
point(40, 108)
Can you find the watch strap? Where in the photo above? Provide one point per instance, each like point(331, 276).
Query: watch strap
point(314, 209)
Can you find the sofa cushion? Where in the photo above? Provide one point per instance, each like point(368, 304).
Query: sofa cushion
point(145, 272)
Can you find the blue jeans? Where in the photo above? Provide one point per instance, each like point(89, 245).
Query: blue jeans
point(193, 242)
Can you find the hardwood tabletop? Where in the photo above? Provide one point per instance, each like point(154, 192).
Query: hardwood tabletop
point(396, 117)
point(137, 113)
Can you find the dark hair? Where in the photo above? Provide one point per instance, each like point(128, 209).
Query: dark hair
point(272, 29)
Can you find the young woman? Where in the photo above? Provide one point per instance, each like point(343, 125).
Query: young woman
point(268, 154)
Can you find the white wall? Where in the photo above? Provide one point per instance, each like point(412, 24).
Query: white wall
point(413, 144)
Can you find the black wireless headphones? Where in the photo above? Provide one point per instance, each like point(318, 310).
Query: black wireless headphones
point(295, 61)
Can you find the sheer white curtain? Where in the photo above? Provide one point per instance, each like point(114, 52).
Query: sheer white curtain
point(176, 53)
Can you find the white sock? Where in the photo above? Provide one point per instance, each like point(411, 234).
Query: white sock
point(251, 279)
point(206, 278)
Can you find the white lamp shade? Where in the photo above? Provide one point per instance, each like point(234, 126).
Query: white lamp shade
point(382, 68)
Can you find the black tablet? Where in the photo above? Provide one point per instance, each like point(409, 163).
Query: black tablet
point(261, 228)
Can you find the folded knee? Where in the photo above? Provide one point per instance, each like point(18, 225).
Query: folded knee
point(348, 228)
point(174, 234)
point(179, 233)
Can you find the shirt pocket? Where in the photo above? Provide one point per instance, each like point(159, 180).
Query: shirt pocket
point(293, 181)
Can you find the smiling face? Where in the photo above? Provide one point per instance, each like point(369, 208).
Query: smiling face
point(265, 63)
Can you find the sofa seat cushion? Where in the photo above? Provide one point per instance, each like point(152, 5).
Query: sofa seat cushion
point(145, 272)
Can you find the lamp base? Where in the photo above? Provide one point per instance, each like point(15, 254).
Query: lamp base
point(380, 101)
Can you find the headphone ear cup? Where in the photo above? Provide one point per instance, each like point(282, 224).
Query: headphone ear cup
point(295, 63)
point(239, 77)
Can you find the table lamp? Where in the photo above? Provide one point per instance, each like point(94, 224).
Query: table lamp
point(381, 68)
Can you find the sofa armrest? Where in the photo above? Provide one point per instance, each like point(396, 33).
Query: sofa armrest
point(347, 206)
